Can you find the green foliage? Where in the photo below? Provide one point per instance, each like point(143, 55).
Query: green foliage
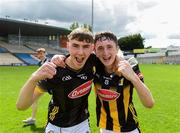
point(75, 25)
point(87, 26)
point(131, 42)
point(164, 117)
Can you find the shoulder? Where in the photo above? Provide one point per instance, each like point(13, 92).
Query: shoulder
point(61, 71)
point(91, 61)
point(92, 57)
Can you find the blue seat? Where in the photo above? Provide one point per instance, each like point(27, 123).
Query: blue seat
point(3, 50)
point(27, 58)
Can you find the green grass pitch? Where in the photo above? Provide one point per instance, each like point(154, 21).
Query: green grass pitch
point(164, 117)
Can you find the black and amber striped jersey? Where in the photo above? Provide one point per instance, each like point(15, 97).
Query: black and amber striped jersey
point(114, 106)
point(69, 90)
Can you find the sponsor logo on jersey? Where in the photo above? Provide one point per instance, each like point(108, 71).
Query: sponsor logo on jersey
point(66, 78)
point(82, 76)
point(108, 95)
point(81, 90)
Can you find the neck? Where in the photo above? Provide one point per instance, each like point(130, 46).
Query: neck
point(109, 69)
point(70, 64)
point(43, 58)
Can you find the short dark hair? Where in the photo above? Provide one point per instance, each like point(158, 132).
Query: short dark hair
point(106, 35)
point(81, 34)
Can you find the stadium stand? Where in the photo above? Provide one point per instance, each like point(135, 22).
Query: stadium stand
point(159, 58)
point(9, 59)
point(20, 39)
point(49, 49)
point(3, 50)
point(24, 53)
point(12, 55)
point(173, 58)
point(27, 58)
point(15, 48)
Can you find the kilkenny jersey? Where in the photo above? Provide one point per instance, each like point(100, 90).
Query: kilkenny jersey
point(114, 106)
point(70, 90)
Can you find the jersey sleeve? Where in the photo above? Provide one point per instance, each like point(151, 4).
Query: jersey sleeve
point(97, 63)
point(93, 58)
point(92, 62)
point(39, 89)
point(45, 85)
point(138, 72)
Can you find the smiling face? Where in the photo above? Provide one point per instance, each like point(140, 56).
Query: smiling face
point(106, 51)
point(79, 52)
point(40, 55)
point(80, 46)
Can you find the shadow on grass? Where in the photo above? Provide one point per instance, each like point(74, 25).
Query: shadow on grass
point(35, 129)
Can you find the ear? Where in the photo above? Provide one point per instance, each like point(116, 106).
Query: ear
point(67, 46)
point(120, 54)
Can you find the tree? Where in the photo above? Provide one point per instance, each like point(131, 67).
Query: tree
point(75, 25)
point(131, 42)
point(87, 26)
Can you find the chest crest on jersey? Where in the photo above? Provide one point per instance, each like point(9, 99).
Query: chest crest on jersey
point(107, 95)
point(81, 90)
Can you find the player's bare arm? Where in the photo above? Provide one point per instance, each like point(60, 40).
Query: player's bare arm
point(144, 94)
point(28, 94)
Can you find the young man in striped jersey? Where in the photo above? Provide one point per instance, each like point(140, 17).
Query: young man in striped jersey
point(114, 88)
